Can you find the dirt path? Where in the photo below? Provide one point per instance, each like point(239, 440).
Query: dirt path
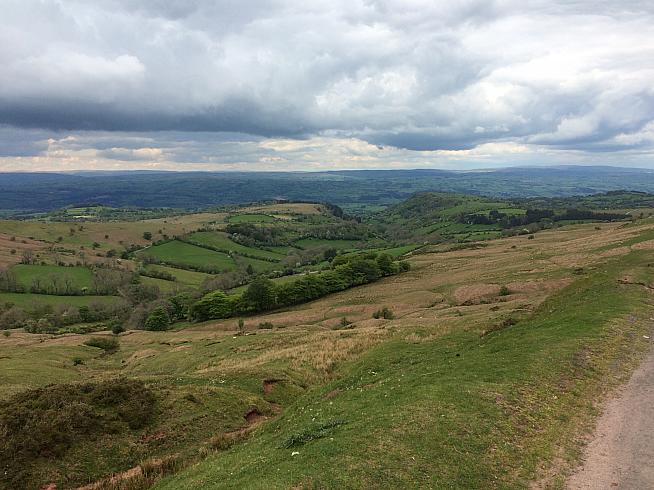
point(621, 453)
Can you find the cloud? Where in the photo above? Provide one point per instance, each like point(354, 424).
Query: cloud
point(419, 75)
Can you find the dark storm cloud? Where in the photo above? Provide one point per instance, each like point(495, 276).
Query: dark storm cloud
point(415, 74)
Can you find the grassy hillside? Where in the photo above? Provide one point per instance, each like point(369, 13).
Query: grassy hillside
point(486, 376)
point(80, 277)
point(185, 254)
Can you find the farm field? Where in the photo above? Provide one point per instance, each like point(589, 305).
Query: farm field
point(221, 240)
point(80, 277)
point(308, 376)
point(251, 218)
point(337, 244)
point(28, 301)
point(185, 254)
point(186, 277)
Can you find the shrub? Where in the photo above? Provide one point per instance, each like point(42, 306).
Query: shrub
point(49, 422)
point(107, 344)
point(117, 328)
point(77, 361)
point(504, 291)
point(266, 325)
point(158, 320)
point(385, 313)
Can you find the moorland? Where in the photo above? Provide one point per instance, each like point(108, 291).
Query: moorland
point(447, 340)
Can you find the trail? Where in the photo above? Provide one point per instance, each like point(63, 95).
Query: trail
point(621, 452)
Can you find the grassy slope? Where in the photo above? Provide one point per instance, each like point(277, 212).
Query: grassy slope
point(190, 278)
point(251, 218)
point(457, 412)
point(181, 253)
point(80, 276)
point(221, 240)
point(27, 300)
point(318, 242)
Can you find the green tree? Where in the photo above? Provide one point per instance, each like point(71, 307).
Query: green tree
point(157, 320)
point(147, 235)
point(212, 306)
point(261, 294)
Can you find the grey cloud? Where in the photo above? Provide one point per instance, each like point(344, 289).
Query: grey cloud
point(415, 74)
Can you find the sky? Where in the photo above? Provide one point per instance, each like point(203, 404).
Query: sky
point(324, 85)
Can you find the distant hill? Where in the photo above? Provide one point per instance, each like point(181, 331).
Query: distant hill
point(355, 191)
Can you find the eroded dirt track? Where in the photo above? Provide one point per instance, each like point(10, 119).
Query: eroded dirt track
point(621, 451)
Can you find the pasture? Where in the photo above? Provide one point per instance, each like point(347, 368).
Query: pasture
point(186, 255)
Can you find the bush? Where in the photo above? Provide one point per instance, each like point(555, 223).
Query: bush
point(117, 328)
point(266, 326)
point(158, 320)
point(108, 344)
point(385, 313)
point(504, 291)
point(47, 423)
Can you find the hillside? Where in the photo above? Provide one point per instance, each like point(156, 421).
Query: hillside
point(477, 368)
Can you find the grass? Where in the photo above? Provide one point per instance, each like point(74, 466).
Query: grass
point(399, 251)
point(162, 284)
point(184, 277)
point(81, 277)
point(456, 412)
point(183, 254)
point(308, 243)
point(222, 241)
point(27, 300)
point(251, 218)
point(445, 395)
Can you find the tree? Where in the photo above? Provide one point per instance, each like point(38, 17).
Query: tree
point(386, 265)
point(212, 306)
point(158, 320)
point(261, 294)
point(329, 254)
point(147, 235)
point(178, 306)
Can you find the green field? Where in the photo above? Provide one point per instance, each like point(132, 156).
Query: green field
point(308, 243)
point(183, 254)
point(163, 285)
point(222, 241)
point(81, 277)
point(251, 218)
point(399, 251)
point(184, 277)
point(27, 300)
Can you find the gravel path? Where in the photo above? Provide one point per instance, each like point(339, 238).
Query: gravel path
point(621, 452)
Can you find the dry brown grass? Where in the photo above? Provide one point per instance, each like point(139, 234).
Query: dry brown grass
point(288, 208)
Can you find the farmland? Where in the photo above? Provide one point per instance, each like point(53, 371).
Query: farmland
point(260, 373)
point(184, 254)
